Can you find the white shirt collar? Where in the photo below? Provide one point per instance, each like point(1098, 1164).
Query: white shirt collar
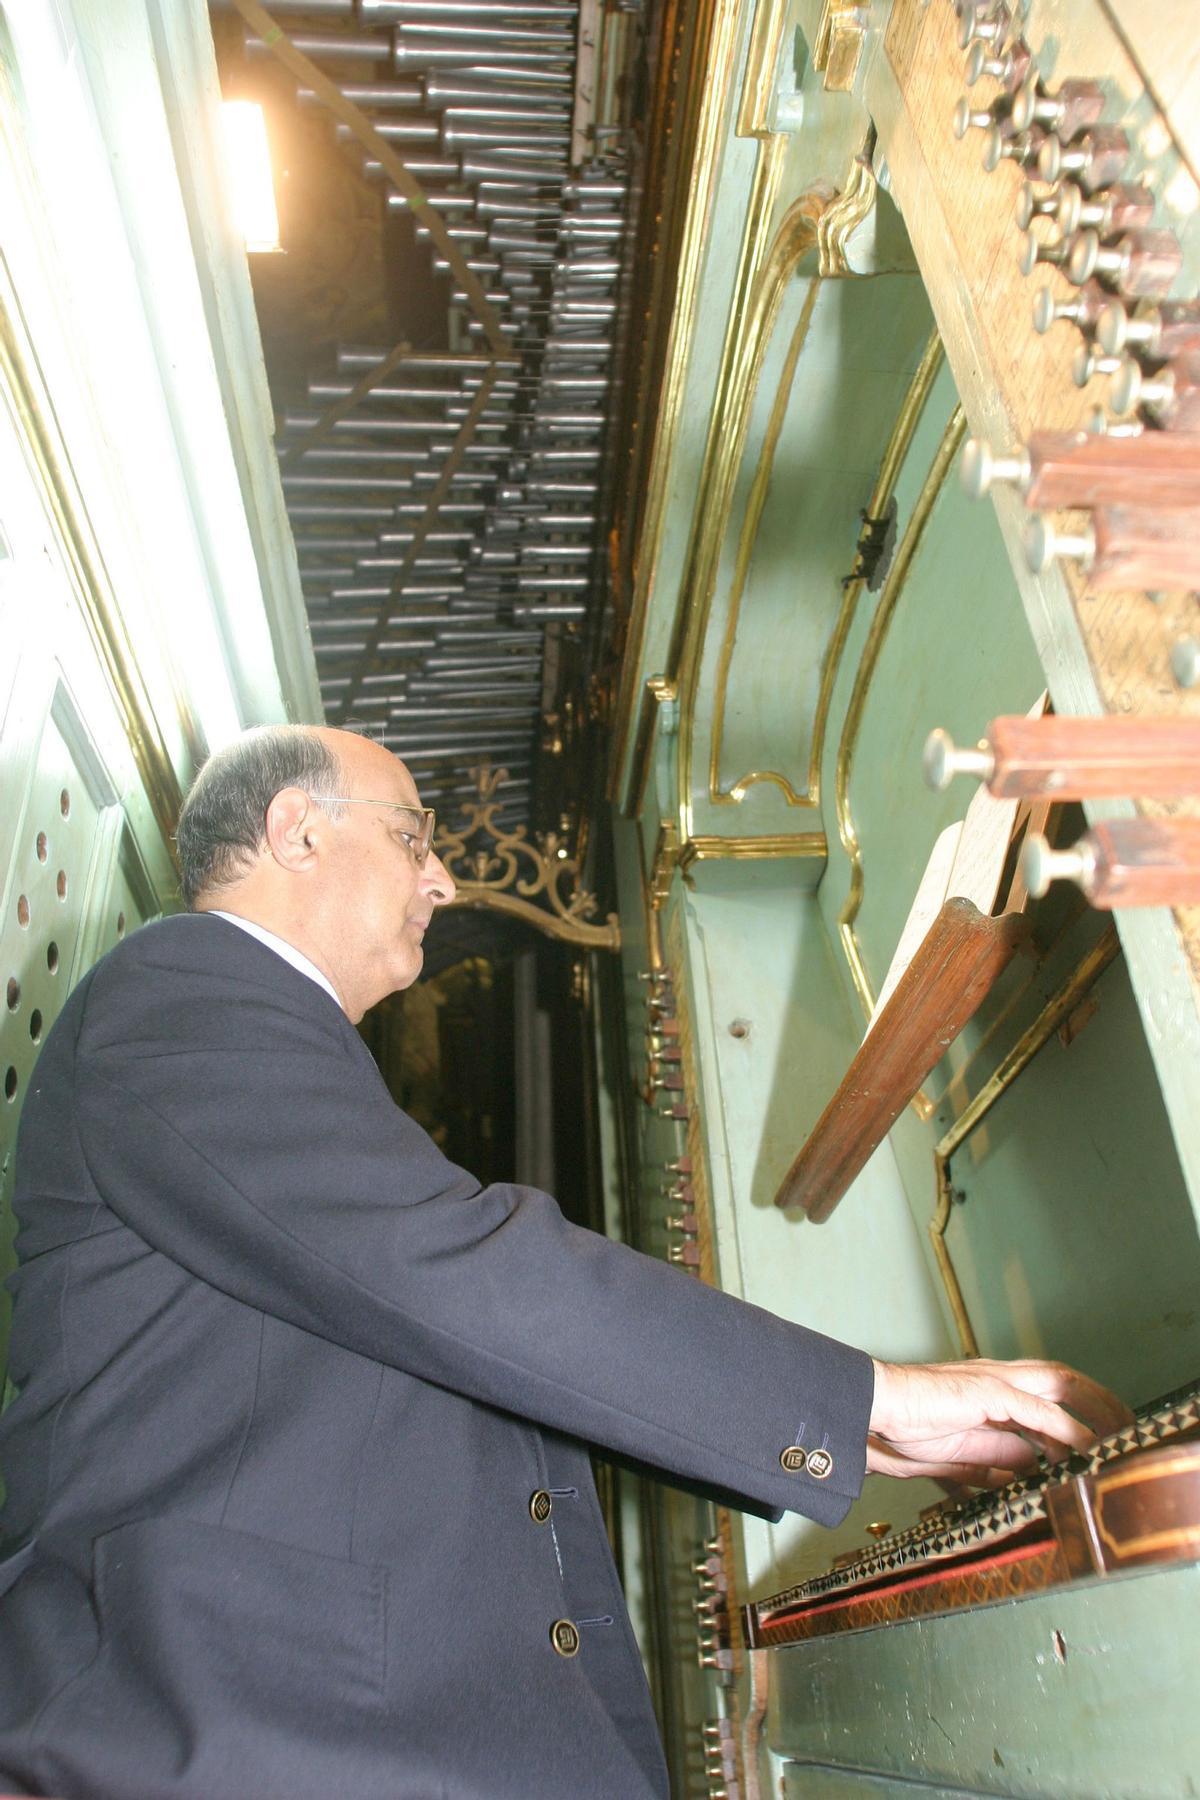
point(281, 947)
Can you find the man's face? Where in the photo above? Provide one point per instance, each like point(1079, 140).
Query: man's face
point(385, 899)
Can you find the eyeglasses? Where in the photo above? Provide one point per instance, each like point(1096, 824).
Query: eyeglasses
point(419, 840)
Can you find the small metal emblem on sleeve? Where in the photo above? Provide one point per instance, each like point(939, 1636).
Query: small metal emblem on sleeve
point(565, 1637)
point(540, 1506)
point(792, 1459)
point(819, 1464)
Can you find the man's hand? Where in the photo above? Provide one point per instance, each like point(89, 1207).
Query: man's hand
point(980, 1423)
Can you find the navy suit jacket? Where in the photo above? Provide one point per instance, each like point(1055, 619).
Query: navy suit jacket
point(288, 1381)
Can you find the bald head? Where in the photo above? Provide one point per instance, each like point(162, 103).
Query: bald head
point(315, 834)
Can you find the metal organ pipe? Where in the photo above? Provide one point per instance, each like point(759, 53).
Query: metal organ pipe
point(476, 96)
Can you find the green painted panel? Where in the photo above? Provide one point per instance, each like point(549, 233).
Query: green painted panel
point(958, 653)
point(772, 1031)
point(1076, 1237)
point(805, 1781)
point(862, 344)
point(1084, 1694)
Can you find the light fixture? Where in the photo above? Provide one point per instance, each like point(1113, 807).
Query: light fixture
point(248, 160)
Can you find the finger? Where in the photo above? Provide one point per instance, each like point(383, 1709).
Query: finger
point(1051, 1448)
point(1014, 1405)
point(1104, 1411)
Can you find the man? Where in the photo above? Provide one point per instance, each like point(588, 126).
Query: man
point(297, 1475)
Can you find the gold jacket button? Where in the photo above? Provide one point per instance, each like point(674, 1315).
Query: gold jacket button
point(792, 1459)
point(565, 1637)
point(819, 1464)
point(540, 1506)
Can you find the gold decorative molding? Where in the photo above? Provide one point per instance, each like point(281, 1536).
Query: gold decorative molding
point(695, 180)
point(906, 552)
point(488, 874)
point(907, 419)
point(663, 864)
point(23, 389)
point(841, 220)
point(751, 849)
point(745, 554)
point(768, 170)
point(838, 46)
point(657, 694)
point(697, 1147)
point(749, 333)
point(762, 66)
point(656, 888)
point(834, 227)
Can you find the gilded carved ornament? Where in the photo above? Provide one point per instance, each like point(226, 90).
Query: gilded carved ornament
point(672, 315)
point(840, 221)
point(767, 37)
point(536, 881)
point(751, 330)
point(838, 47)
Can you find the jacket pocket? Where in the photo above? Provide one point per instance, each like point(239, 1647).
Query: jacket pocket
point(226, 1663)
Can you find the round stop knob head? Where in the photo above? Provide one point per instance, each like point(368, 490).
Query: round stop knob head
point(1082, 259)
point(1125, 389)
point(1110, 328)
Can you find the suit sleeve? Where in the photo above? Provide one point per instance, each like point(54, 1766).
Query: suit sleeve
point(256, 1146)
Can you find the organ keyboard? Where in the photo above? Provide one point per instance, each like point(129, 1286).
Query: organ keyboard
point(1133, 1498)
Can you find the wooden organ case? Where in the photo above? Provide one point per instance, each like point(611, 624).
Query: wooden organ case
point(911, 471)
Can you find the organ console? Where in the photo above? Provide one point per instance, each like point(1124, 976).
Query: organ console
point(977, 1124)
point(1133, 1499)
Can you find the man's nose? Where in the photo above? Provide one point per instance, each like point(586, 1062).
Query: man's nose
point(437, 881)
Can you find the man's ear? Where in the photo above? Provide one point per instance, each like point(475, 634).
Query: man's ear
point(294, 829)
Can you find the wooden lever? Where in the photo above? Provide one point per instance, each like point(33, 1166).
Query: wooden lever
point(1075, 759)
point(944, 985)
point(1079, 469)
point(1123, 862)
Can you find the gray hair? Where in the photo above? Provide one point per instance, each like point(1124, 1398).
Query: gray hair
point(223, 823)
